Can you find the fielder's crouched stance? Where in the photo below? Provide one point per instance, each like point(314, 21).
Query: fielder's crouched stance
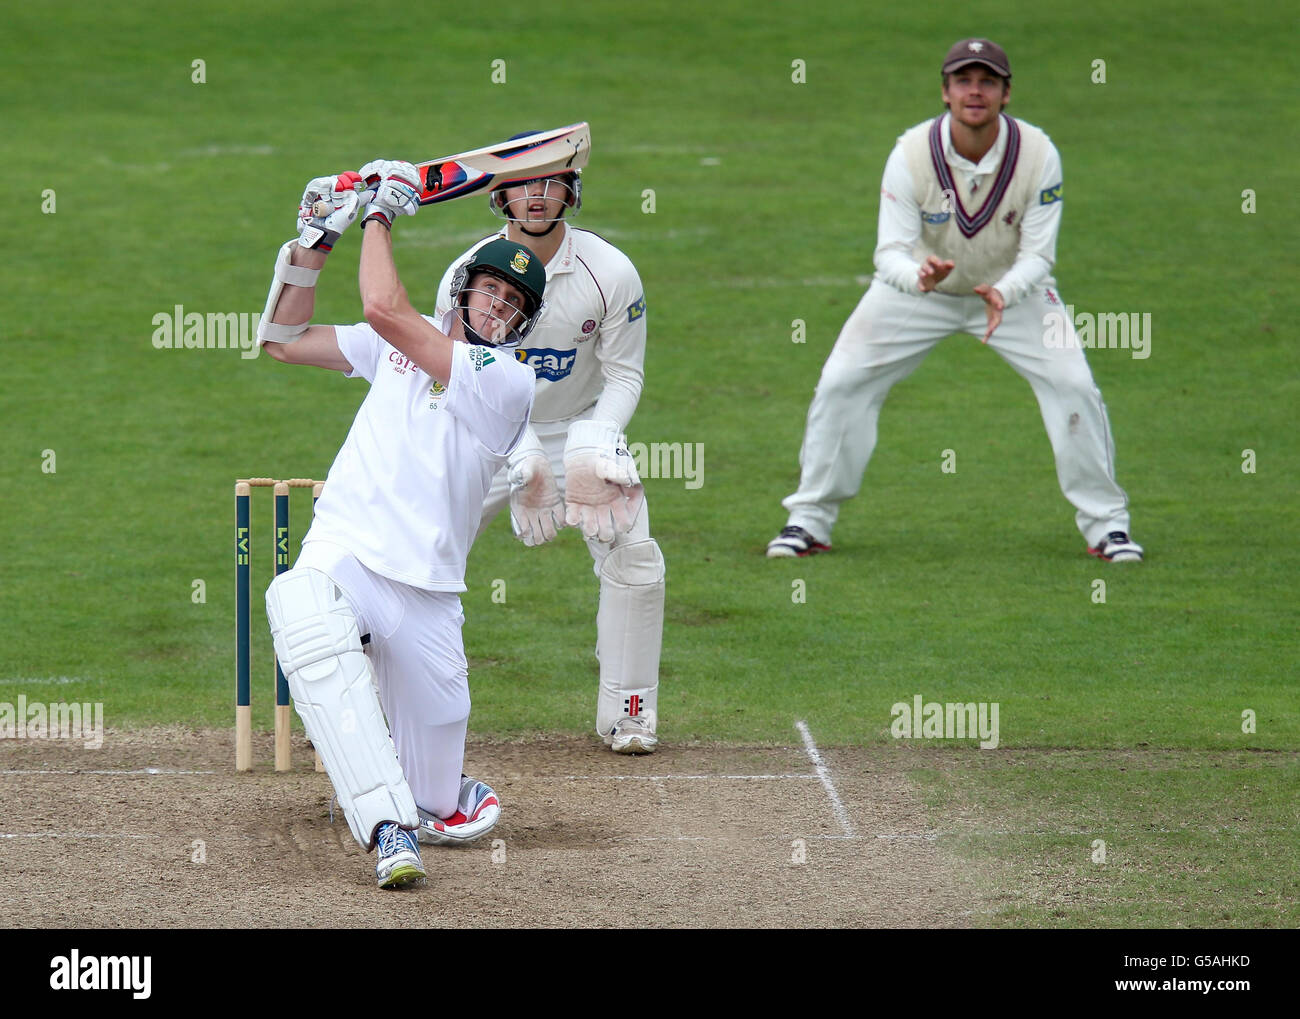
point(970, 208)
point(573, 467)
point(382, 566)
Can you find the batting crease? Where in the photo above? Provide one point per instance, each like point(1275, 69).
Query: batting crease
point(674, 778)
point(102, 771)
point(824, 774)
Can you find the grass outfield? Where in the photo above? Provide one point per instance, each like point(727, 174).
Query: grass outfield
point(967, 586)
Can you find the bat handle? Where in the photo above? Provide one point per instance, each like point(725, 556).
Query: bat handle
point(349, 181)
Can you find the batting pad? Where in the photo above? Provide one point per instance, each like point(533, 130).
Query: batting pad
point(319, 647)
point(629, 633)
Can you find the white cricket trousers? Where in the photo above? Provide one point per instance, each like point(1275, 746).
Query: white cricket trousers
point(886, 339)
point(419, 660)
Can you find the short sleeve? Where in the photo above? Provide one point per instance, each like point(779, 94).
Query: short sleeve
point(361, 346)
point(491, 393)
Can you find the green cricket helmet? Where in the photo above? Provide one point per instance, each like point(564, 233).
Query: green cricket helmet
point(513, 263)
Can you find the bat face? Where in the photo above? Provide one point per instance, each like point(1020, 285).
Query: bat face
point(565, 148)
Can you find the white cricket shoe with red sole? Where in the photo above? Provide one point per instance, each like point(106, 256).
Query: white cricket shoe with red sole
point(477, 812)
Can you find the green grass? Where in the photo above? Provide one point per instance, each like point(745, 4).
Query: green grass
point(969, 586)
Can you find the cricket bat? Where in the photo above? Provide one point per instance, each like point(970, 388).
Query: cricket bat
point(467, 173)
point(538, 155)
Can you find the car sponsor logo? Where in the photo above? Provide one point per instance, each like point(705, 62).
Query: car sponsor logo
point(1050, 195)
point(636, 309)
point(551, 365)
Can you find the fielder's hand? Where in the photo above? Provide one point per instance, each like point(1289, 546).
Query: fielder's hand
point(993, 305)
point(394, 189)
point(329, 206)
point(536, 506)
point(933, 271)
point(602, 492)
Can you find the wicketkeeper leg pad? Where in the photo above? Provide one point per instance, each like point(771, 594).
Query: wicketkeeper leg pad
point(629, 633)
point(319, 648)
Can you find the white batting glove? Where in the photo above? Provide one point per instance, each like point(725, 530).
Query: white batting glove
point(329, 206)
point(394, 189)
point(536, 506)
point(602, 492)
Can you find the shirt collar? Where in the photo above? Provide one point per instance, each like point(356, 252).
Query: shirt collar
point(565, 259)
point(992, 158)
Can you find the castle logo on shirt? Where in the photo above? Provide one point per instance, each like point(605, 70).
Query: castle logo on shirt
point(401, 363)
point(551, 365)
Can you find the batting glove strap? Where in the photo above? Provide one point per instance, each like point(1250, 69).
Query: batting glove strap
point(318, 238)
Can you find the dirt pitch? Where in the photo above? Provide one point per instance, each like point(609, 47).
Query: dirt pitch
point(156, 830)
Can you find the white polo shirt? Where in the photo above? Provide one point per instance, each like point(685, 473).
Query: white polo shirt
point(405, 493)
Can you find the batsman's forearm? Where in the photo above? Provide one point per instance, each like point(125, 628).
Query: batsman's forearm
point(382, 293)
point(298, 304)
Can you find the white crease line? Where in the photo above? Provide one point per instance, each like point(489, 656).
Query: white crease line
point(70, 835)
point(103, 771)
point(824, 774)
point(739, 838)
point(672, 778)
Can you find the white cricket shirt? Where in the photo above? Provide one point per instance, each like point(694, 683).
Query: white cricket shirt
point(405, 493)
point(589, 345)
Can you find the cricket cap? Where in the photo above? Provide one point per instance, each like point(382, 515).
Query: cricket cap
point(977, 51)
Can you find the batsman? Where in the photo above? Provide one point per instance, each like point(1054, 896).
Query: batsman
point(572, 466)
point(374, 596)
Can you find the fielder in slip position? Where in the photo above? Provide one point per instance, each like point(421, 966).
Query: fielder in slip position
point(587, 351)
point(970, 206)
point(384, 560)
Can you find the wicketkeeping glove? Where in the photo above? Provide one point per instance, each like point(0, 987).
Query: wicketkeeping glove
point(394, 189)
point(602, 492)
point(329, 206)
point(536, 506)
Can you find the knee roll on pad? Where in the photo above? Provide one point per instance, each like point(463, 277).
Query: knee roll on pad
point(629, 633)
point(635, 564)
point(319, 647)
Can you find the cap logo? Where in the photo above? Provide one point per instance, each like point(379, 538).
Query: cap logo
point(975, 47)
point(520, 262)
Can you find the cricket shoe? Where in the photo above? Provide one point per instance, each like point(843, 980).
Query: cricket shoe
point(632, 735)
point(794, 541)
point(477, 812)
point(399, 857)
point(1117, 547)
